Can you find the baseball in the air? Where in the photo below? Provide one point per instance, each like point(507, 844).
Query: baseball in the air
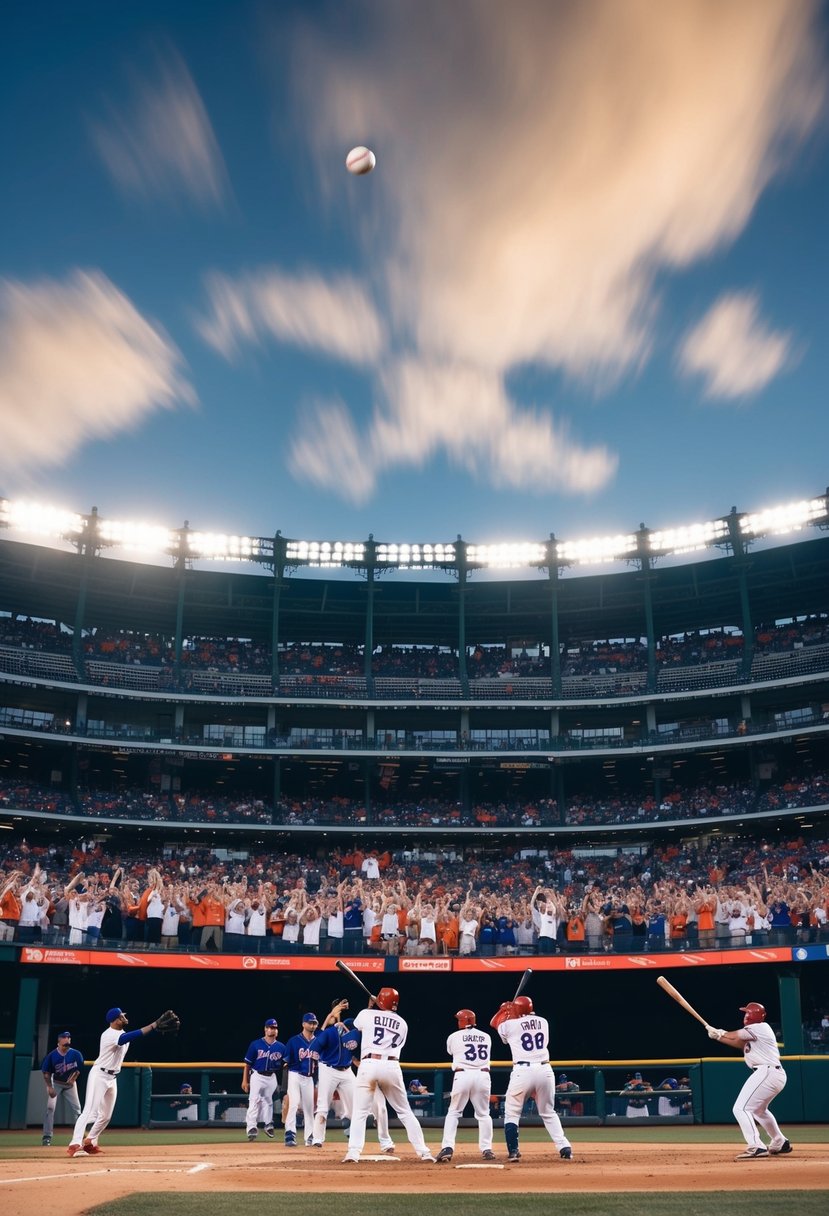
point(360, 160)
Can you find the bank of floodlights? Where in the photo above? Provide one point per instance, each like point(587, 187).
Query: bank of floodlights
point(791, 517)
point(688, 539)
point(415, 556)
point(596, 550)
point(220, 547)
point(325, 554)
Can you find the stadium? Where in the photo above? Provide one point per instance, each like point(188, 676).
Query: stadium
point(308, 724)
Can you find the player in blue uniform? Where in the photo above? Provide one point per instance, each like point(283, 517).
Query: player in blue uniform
point(301, 1060)
point(337, 1044)
point(61, 1069)
point(263, 1062)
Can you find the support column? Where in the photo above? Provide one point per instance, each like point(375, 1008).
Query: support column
point(24, 1044)
point(791, 1015)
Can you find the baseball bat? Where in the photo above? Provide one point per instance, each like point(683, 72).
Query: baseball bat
point(344, 967)
point(525, 979)
point(680, 999)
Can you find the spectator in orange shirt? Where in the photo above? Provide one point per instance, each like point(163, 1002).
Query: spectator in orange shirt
point(213, 905)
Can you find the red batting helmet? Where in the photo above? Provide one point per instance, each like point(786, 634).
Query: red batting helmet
point(465, 1018)
point(523, 1006)
point(388, 998)
point(754, 1013)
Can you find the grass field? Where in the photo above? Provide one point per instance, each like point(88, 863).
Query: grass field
point(724, 1203)
point(683, 1134)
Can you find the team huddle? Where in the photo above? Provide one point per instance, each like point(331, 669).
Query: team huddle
point(318, 1065)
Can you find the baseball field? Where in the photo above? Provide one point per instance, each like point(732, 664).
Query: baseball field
point(666, 1171)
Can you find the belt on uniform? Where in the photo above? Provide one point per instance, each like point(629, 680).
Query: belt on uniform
point(529, 1063)
point(271, 1072)
point(109, 1072)
point(471, 1070)
point(339, 1067)
point(780, 1066)
point(373, 1055)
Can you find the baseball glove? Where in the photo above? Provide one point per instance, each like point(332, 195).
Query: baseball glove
point(168, 1023)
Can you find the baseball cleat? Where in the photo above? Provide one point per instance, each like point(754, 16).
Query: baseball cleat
point(349, 1160)
point(751, 1154)
point(46, 1142)
point(252, 1136)
point(75, 1150)
point(427, 1156)
point(290, 1139)
point(514, 1156)
point(269, 1131)
point(388, 1150)
point(91, 1149)
point(444, 1155)
point(566, 1153)
point(316, 1144)
point(309, 1141)
point(488, 1155)
point(785, 1147)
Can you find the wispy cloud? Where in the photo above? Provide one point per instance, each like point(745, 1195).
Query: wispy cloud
point(77, 362)
point(733, 350)
point(335, 316)
point(160, 142)
point(461, 412)
point(539, 168)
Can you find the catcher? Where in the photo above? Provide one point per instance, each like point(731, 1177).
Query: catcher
point(102, 1085)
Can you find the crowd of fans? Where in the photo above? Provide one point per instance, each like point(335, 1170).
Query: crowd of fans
point(729, 894)
point(245, 656)
point(697, 802)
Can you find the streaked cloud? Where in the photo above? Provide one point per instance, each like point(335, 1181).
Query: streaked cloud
point(335, 316)
point(542, 167)
point(160, 143)
point(77, 362)
point(463, 413)
point(733, 350)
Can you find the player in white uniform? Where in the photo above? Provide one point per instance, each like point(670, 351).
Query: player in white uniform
point(384, 1036)
point(527, 1036)
point(102, 1083)
point(470, 1050)
point(756, 1040)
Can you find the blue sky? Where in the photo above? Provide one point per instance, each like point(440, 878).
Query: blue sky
point(584, 287)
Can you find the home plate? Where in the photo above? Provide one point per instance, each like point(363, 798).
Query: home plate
point(385, 1157)
point(480, 1165)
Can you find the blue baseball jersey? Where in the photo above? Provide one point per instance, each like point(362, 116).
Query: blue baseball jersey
point(265, 1057)
point(59, 1066)
point(337, 1048)
point(302, 1055)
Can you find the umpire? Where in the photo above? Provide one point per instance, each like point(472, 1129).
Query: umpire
point(61, 1069)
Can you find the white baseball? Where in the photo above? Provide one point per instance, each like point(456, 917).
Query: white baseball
point(360, 160)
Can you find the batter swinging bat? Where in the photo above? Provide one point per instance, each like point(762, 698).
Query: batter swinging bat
point(680, 999)
point(525, 979)
point(344, 967)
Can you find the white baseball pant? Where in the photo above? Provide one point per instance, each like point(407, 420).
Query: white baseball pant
point(751, 1107)
point(534, 1081)
point(385, 1076)
point(260, 1101)
point(101, 1093)
point(469, 1085)
point(300, 1093)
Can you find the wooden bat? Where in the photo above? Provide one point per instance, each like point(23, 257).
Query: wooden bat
point(525, 979)
point(346, 970)
point(680, 999)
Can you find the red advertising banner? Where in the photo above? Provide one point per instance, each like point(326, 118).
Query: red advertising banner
point(272, 963)
point(194, 962)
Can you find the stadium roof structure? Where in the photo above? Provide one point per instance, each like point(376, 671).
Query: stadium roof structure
point(786, 581)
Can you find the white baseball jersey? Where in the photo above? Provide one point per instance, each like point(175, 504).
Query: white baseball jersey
point(469, 1049)
point(169, 922)
point(256, 924)
point(384, 1032)
point(527, 1039)
point(760, 1045)
point(111, 1054)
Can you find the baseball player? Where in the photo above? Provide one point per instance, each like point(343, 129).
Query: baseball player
point(263, 1062)
point(337, 1042)
point(60, 1069)
point(756, 1040)
point(384, 1035)
point(102, 1085)
point(470, 1050)
point(301, 1058)
point(527, 1036)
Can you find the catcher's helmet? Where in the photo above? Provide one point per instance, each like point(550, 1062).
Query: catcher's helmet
point(754, 1012)
point(523, 1006)
point(388, 998)
point(466, 1018)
